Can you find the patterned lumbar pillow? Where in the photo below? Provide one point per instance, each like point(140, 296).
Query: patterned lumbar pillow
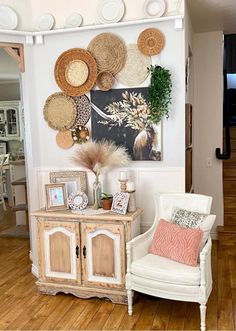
point(194, 220)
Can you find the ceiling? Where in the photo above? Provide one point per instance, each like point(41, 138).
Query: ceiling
point(213, 15)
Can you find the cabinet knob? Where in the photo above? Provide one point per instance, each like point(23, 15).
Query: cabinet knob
point(84, 252)
point(77, 251)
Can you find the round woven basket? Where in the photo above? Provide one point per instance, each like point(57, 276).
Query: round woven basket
point(151, 41)
point(135, 70)
point(75, 71)
point(80, 134)
point(105, 80)
point(60, 111)
point(83, 109)
point(64, 139)
point(109, 52)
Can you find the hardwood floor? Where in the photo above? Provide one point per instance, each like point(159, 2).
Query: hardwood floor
point(22, 308)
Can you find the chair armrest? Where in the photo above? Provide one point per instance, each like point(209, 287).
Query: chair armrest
point(138, 247)
point(205, 265)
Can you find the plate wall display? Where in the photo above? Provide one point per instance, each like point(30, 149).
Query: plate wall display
point(110, 11)
point(75, 71)
point(60, 111)
point(154, 8)
point(105, 80)
point(8, 18)
point(45, 22)
point(74, 20)
point(109, 52)
point(78, 201)
point(83, 110)
point(151, 41)
point(135, 70)
point(80, 134)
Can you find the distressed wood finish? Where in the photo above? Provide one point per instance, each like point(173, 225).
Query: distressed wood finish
point(108, 254)
point(95, 244)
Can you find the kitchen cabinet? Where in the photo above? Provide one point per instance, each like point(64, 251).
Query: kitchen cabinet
point(10, 120)
point(84, 254)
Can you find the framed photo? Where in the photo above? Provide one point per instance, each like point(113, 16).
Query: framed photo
point(120, 202)
point(56, 197)
point(75, 180)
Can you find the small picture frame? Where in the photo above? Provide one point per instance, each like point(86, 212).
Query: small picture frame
point(78, 201)
point(74, 180)
point(56, 196)
point(120, 202)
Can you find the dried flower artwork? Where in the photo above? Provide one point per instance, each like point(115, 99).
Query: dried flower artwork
point(122, 115)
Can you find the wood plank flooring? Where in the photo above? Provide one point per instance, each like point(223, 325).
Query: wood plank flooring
point(22, 308)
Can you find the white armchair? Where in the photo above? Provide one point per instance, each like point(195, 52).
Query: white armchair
point(161, 277)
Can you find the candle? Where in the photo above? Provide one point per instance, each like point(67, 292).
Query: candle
point(130, 187)
point(123, 175)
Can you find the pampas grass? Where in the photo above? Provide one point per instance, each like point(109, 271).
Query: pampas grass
point(98, 155)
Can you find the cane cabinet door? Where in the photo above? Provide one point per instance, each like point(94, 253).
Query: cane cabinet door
point(103, 254)
point(59, 252)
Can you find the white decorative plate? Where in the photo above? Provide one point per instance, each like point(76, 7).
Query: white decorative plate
point(154, 8)
point(78, 201)
point(73, 21)
point(110, 11)
point(8, 18)
point(45, 22)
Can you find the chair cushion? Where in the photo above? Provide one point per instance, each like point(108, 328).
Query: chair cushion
point(193, 220)
point(161, 269)
point(176, 243)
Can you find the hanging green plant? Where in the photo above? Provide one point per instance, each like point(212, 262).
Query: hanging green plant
point(159, 93)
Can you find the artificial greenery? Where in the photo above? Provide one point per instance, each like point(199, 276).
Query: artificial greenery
point(159, 93)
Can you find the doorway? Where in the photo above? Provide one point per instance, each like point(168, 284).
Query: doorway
point(14, 221)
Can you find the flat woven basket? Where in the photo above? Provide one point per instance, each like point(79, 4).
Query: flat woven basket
point(83, 110)
point(64, 139)
point(109, 52)
point(135, 70)
point(105, 80)
point(63, 71)
point(60, 111)
point(151, 41)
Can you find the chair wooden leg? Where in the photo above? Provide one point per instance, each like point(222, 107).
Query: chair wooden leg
point(203, 317)
point(130, 301)
point(4, 205)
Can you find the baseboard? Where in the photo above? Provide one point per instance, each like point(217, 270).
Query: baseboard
point(34, 270)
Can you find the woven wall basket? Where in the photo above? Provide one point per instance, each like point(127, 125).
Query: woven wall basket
point(64, 139)
point(83, 109)
point(135, 69)
point(75, 71)
point(151, 41)
point(105, 80)
point(109, 52)
point(60, 111)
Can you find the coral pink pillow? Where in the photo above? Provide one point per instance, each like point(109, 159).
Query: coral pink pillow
point(176, 243)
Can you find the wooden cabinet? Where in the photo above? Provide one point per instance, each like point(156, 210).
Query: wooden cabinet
point(10, 120)
point(84, 255)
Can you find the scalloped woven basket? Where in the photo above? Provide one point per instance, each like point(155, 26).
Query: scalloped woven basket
point(64, 65)
point(60, 111)
point(109, 52)
point(135, 70)
point(151, 41)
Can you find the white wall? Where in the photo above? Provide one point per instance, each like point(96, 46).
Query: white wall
point(29, 11)
point(208, 117)
point(9, 91)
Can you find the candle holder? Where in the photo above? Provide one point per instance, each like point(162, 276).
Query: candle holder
point(123, 183)
point(132, 201)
